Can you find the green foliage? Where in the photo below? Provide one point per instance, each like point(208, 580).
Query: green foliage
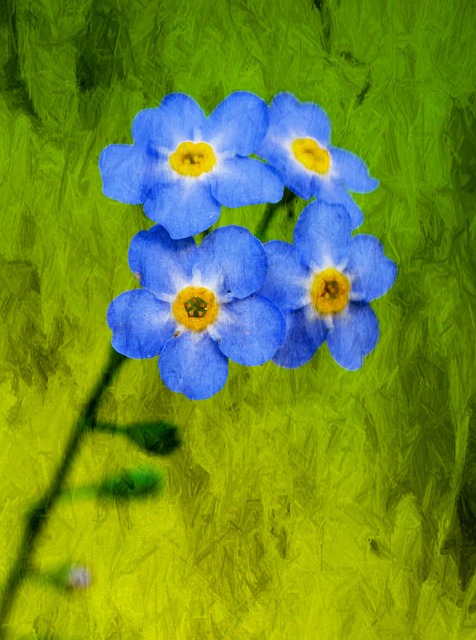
point(157, 438)
point(315, 503)
point(131, 483)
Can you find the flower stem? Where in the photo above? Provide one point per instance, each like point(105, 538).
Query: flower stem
point(271, 209)
point(37, 516)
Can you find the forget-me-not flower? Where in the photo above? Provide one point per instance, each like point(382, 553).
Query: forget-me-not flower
point(183, 165)
point(323, 284)
point(198, 307)
point(297, 143)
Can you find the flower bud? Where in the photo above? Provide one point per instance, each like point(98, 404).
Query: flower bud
point(131, 483)
point(156, 438)
point(79, 578)
point(66, 577)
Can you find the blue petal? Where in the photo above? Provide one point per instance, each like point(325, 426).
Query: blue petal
point(351, 171)
point(332, 192)
point(372, 272)
point(239, 182)
point(290, 118)
point(322, 235)
point(178, 118)
point(160, 263)
point(193, 364)
point(285, 282)
point(304, 335)
point(124, 172)
point(250, 330)
point(277, 152)
point(232, 261)
point(141, 324)
point(238, 124)
point(184, 207)
point(299, 180)
point(353, 336)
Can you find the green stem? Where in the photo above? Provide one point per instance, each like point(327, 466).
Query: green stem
point(37, 516)
point(271, 209)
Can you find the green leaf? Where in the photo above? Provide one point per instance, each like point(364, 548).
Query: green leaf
point(156, 438)
point(132, 483)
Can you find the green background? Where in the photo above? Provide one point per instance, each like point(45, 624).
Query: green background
point(310, 504)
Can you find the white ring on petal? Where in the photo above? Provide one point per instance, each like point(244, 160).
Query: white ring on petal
point(211, 283)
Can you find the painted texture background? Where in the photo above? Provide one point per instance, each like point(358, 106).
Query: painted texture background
point(314, 504)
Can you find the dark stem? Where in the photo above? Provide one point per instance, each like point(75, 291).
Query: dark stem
point(37, 516)
point(271, 209)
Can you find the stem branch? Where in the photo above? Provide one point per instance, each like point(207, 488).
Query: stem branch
point(37, 516)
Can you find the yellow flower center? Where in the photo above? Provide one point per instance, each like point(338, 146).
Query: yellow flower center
point(192, 158)
point(330, 291)
point(311, 155)
point(195, 307)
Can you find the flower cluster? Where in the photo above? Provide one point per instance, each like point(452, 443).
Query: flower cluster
point(232, 297)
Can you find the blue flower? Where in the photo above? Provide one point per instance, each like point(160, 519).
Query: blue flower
point(323, 284)
point(198, 307)
point(298, 145)
point(183, 166)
